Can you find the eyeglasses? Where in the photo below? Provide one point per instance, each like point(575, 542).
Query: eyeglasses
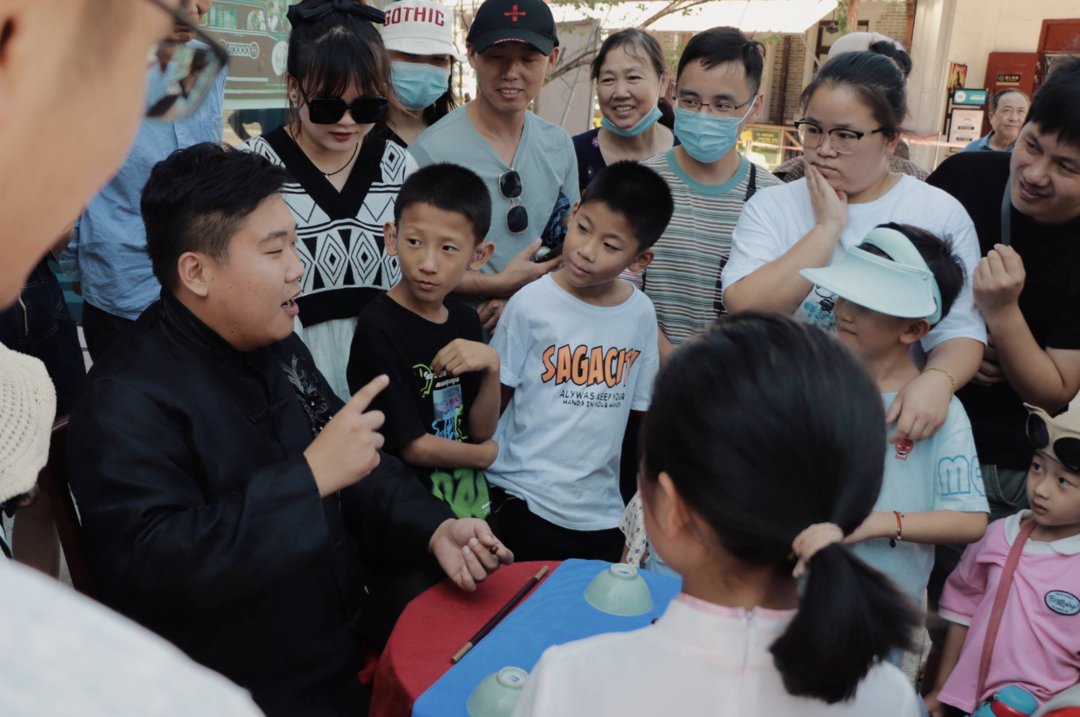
point(725, 108)
point(517, 219)
point(1061, 443)
point(181, 73)
point(330, 110)
point(843, 140)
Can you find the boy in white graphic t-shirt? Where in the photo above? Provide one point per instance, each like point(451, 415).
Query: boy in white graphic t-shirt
point(578, 351)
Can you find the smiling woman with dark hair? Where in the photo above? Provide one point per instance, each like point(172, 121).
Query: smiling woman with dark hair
point(631, 77)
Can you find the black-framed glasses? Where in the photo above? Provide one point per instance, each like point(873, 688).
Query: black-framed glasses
point(725, 108)
point(517, 219)
point(330, 110)
point(1044, 435)
point(843, 140)
point(181, 72)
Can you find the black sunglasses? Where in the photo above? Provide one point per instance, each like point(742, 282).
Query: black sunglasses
point(330, 110)
point(182, 73)
point(517, 219)
point(1045, 436)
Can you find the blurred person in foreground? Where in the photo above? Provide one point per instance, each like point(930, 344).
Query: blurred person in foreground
point(66, 650)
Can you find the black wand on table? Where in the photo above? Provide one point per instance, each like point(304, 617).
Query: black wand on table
point(497, 617)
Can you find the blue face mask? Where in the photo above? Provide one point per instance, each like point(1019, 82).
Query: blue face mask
point(419, 84)
point(704, 137)
point(643, 124)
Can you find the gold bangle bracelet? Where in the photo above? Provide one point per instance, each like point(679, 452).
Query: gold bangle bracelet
point(944, 371)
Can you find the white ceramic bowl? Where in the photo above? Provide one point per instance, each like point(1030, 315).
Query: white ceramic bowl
point(497, 693)
point(619, 590)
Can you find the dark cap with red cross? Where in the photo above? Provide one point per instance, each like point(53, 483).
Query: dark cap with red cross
point(528, 21)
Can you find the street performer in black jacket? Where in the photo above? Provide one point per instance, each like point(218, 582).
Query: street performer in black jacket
point(228, 499)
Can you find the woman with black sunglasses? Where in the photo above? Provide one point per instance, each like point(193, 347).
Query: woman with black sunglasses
point(343, 182)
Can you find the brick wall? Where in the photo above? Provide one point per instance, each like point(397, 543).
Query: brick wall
point(783, 110)
point(892, 21)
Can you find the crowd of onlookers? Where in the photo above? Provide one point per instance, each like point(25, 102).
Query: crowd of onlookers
point(397, 340)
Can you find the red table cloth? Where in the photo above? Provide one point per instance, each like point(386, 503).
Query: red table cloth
point(432, 628)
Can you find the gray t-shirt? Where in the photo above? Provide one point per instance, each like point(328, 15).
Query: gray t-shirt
point(65, 654)
point(545, 160)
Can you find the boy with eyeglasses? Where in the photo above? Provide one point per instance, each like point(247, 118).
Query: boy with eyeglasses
point(107, 252)
point(1037, 646)
point(525, 161)
point(716, 94)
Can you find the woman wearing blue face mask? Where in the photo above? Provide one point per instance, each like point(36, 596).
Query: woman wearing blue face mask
point(630, 75)
point(419, 39)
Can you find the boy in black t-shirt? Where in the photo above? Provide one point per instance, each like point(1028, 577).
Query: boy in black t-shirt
point(442, 404)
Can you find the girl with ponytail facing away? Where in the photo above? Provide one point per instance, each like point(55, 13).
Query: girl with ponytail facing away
point(762, 450)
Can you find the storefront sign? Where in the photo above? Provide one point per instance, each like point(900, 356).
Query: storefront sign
point(965, 125)
point(970, 97)
point(1008, 79)
point(256, 34)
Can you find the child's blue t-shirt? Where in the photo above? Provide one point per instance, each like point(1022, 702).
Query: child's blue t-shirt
point(939, 473)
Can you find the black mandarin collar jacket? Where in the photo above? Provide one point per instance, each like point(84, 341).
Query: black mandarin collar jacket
point(202, 521)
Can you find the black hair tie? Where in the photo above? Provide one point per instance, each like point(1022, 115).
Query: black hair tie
point(315, 9)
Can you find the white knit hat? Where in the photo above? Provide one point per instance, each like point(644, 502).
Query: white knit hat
point(27, 409)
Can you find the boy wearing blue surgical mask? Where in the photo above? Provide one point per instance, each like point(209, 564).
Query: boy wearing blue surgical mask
point(716, 94)
point(419, 38)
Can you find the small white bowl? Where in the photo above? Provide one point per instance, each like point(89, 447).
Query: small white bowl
point(619, 590)
point(497, 694)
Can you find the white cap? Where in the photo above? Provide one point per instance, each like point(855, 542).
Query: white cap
point(27, 409)
point(419, 27)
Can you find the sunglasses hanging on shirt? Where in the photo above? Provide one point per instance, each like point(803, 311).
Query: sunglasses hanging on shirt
point(517, 219)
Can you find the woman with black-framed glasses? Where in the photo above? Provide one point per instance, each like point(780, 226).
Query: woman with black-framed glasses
point(343, 181)
point(851, 124)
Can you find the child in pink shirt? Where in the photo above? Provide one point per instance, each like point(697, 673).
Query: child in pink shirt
point(1038, 643)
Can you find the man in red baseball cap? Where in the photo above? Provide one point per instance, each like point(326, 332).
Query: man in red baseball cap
point(512, 45)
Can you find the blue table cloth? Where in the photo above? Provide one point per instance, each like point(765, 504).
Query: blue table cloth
point(554, 613)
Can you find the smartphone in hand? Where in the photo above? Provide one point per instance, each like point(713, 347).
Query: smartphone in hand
point(551, 239)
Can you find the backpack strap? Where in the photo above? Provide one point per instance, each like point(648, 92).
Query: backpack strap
point(751, 185)
point(1006, 214)
point(1000, 598)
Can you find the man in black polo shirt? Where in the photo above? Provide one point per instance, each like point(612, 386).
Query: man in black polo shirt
point(1026, 210)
